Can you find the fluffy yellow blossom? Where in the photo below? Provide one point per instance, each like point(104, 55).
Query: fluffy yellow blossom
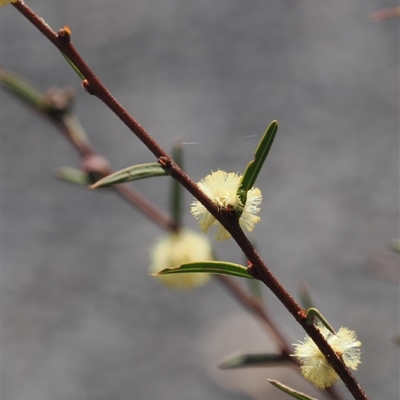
point(314, 366)
point(4, 2)
point(221, 187)
point(176, 249)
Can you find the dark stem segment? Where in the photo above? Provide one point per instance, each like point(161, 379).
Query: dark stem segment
point(259, 268)
point(256, 307)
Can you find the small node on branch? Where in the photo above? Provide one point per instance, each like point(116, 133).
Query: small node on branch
point(94, 163)
point(60, 101)
point(302, 314)
point(252, 271)
point(86, 85)
point(96, 166)
point(164, 162)
point(64, 35)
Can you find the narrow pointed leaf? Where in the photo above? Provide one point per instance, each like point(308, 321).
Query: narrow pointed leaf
point(23, 90)
point(176, 187)
point(209, 267)
point(291, 392)
point(26, 92)
point(73, 66)
point(312, 313)
point(395, 245)
point(252, 360)
point(254, 167)
point(304, 296)
point(73, 175)
point(133, 173)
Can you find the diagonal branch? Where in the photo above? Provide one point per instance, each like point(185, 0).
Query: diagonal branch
point(258, 269)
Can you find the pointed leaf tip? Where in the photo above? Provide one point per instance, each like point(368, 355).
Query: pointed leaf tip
point(133, 173)
point(254, 167)
point(291, 392)
point(73, 175)
point(240, 360)
point(209, 267)
point(23, 90)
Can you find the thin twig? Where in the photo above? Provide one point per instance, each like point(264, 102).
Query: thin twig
point(95, 164)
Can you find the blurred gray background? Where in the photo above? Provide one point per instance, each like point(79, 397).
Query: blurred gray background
point(81, 319)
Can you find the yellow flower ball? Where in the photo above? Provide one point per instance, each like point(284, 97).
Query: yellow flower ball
point(221, 187)
point(178, 248)
point(314, 366)
point(5, 2)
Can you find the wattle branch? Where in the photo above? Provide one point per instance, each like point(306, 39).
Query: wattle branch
point(258, 268)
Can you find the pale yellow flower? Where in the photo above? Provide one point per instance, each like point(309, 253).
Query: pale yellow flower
point(314, 366)
point(176, 249)
point(221, 187)
point(4, 2)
